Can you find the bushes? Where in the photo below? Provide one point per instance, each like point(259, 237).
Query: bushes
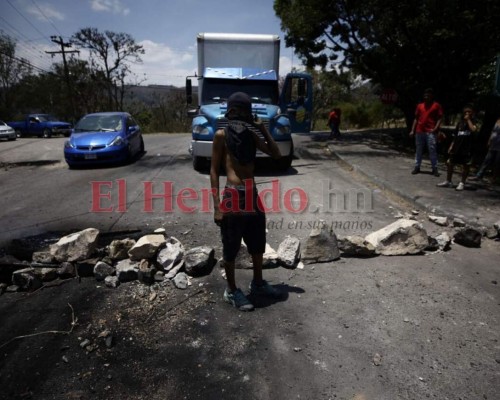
point(366, 114)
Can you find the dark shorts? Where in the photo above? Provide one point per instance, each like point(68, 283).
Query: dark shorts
point(460, 159)
point(248, 224)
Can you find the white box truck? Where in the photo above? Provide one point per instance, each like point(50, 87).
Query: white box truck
point(249, 63)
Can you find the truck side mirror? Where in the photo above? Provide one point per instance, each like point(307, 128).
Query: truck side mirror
point(189, 91)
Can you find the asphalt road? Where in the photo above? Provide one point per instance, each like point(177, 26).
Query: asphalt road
point(382, 328)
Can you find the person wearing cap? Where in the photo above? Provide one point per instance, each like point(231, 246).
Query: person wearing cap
point(240, 214)
point(460, 150)
point(428, 117)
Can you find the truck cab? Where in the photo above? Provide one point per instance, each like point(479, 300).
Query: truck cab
point(229, 63)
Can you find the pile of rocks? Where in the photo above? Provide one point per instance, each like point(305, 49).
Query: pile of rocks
point(152, 258)
point(157, 257)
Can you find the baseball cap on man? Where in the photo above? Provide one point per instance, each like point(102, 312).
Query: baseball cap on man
point(241, 101)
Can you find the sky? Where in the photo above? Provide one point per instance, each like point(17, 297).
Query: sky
point(166, 29)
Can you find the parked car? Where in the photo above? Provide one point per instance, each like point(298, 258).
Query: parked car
point(7, 132)
point(41, 125)
point(104, 138)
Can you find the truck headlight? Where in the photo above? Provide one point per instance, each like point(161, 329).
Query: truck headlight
point(282, 130)
point(200, 130)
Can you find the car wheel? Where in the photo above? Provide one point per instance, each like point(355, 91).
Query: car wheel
point(47, 133)
point(18, 133)
point(142, 146)
point(130, 155)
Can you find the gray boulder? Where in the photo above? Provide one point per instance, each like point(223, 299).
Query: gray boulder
point(75, 247)
point(112, 281)
point(199, 261)
point(171, 254)
point(66, 270)
point(103, 270)
point(289, 252)
point(468, 237)
point(26, 279)
point(147, 247)
point(127, 270)
point(146, 273)
point(356, 246)
point(402, 237)
point(320, 246)
point(118, 249)
point(181, 281)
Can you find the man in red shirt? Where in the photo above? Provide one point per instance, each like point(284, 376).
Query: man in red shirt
point(334, 123)
point(428, 117)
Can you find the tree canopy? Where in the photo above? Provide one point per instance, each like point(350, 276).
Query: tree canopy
point(403, 45)
point(110, 54)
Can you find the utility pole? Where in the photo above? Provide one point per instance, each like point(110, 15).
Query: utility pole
point(59, 40)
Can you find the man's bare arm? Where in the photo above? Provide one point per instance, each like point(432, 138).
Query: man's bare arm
point(217, 159)
point(268, 145)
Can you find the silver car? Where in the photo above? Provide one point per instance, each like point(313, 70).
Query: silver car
point(6, 132)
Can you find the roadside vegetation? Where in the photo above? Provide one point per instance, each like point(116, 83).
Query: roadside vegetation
point(355, 52)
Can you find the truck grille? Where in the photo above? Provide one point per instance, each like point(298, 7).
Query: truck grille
point(223, 123)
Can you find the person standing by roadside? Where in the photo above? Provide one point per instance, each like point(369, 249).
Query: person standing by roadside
point(428, 118)
point(240, 214)
point(460, 150)
point(492, 158)
point(334, 124)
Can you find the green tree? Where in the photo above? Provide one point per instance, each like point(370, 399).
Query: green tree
point(406, 45)
point(110, 55)
point(12, 71)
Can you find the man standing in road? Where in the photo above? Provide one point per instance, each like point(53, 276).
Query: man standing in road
point(240, 215)
point(428, 117)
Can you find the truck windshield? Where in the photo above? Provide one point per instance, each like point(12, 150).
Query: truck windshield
point(218, 90)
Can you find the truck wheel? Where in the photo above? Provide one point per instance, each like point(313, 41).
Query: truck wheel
point(18, 133)
point(47, 133)
point(199, 163)
point(284, 163)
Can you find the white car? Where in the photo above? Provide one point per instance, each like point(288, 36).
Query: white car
point(6, 132)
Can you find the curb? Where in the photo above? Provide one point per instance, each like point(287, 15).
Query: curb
point(381, 184)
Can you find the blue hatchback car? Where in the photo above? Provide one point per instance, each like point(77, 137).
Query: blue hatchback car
point(104, 138)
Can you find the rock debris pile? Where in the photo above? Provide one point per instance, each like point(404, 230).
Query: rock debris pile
point(156, 258)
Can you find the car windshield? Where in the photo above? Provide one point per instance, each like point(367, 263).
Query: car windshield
point(2, 123)
point(99, 123)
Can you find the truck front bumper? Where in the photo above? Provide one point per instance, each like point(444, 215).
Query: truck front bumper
point(203, 148)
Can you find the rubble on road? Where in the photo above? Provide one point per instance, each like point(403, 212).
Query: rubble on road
point(320, 246)
point(404, 236)
point(156, 258)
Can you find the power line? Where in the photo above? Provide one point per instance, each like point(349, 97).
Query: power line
point(27, 40)
point(23, 61)
point(41, 12)
point(26, 19)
